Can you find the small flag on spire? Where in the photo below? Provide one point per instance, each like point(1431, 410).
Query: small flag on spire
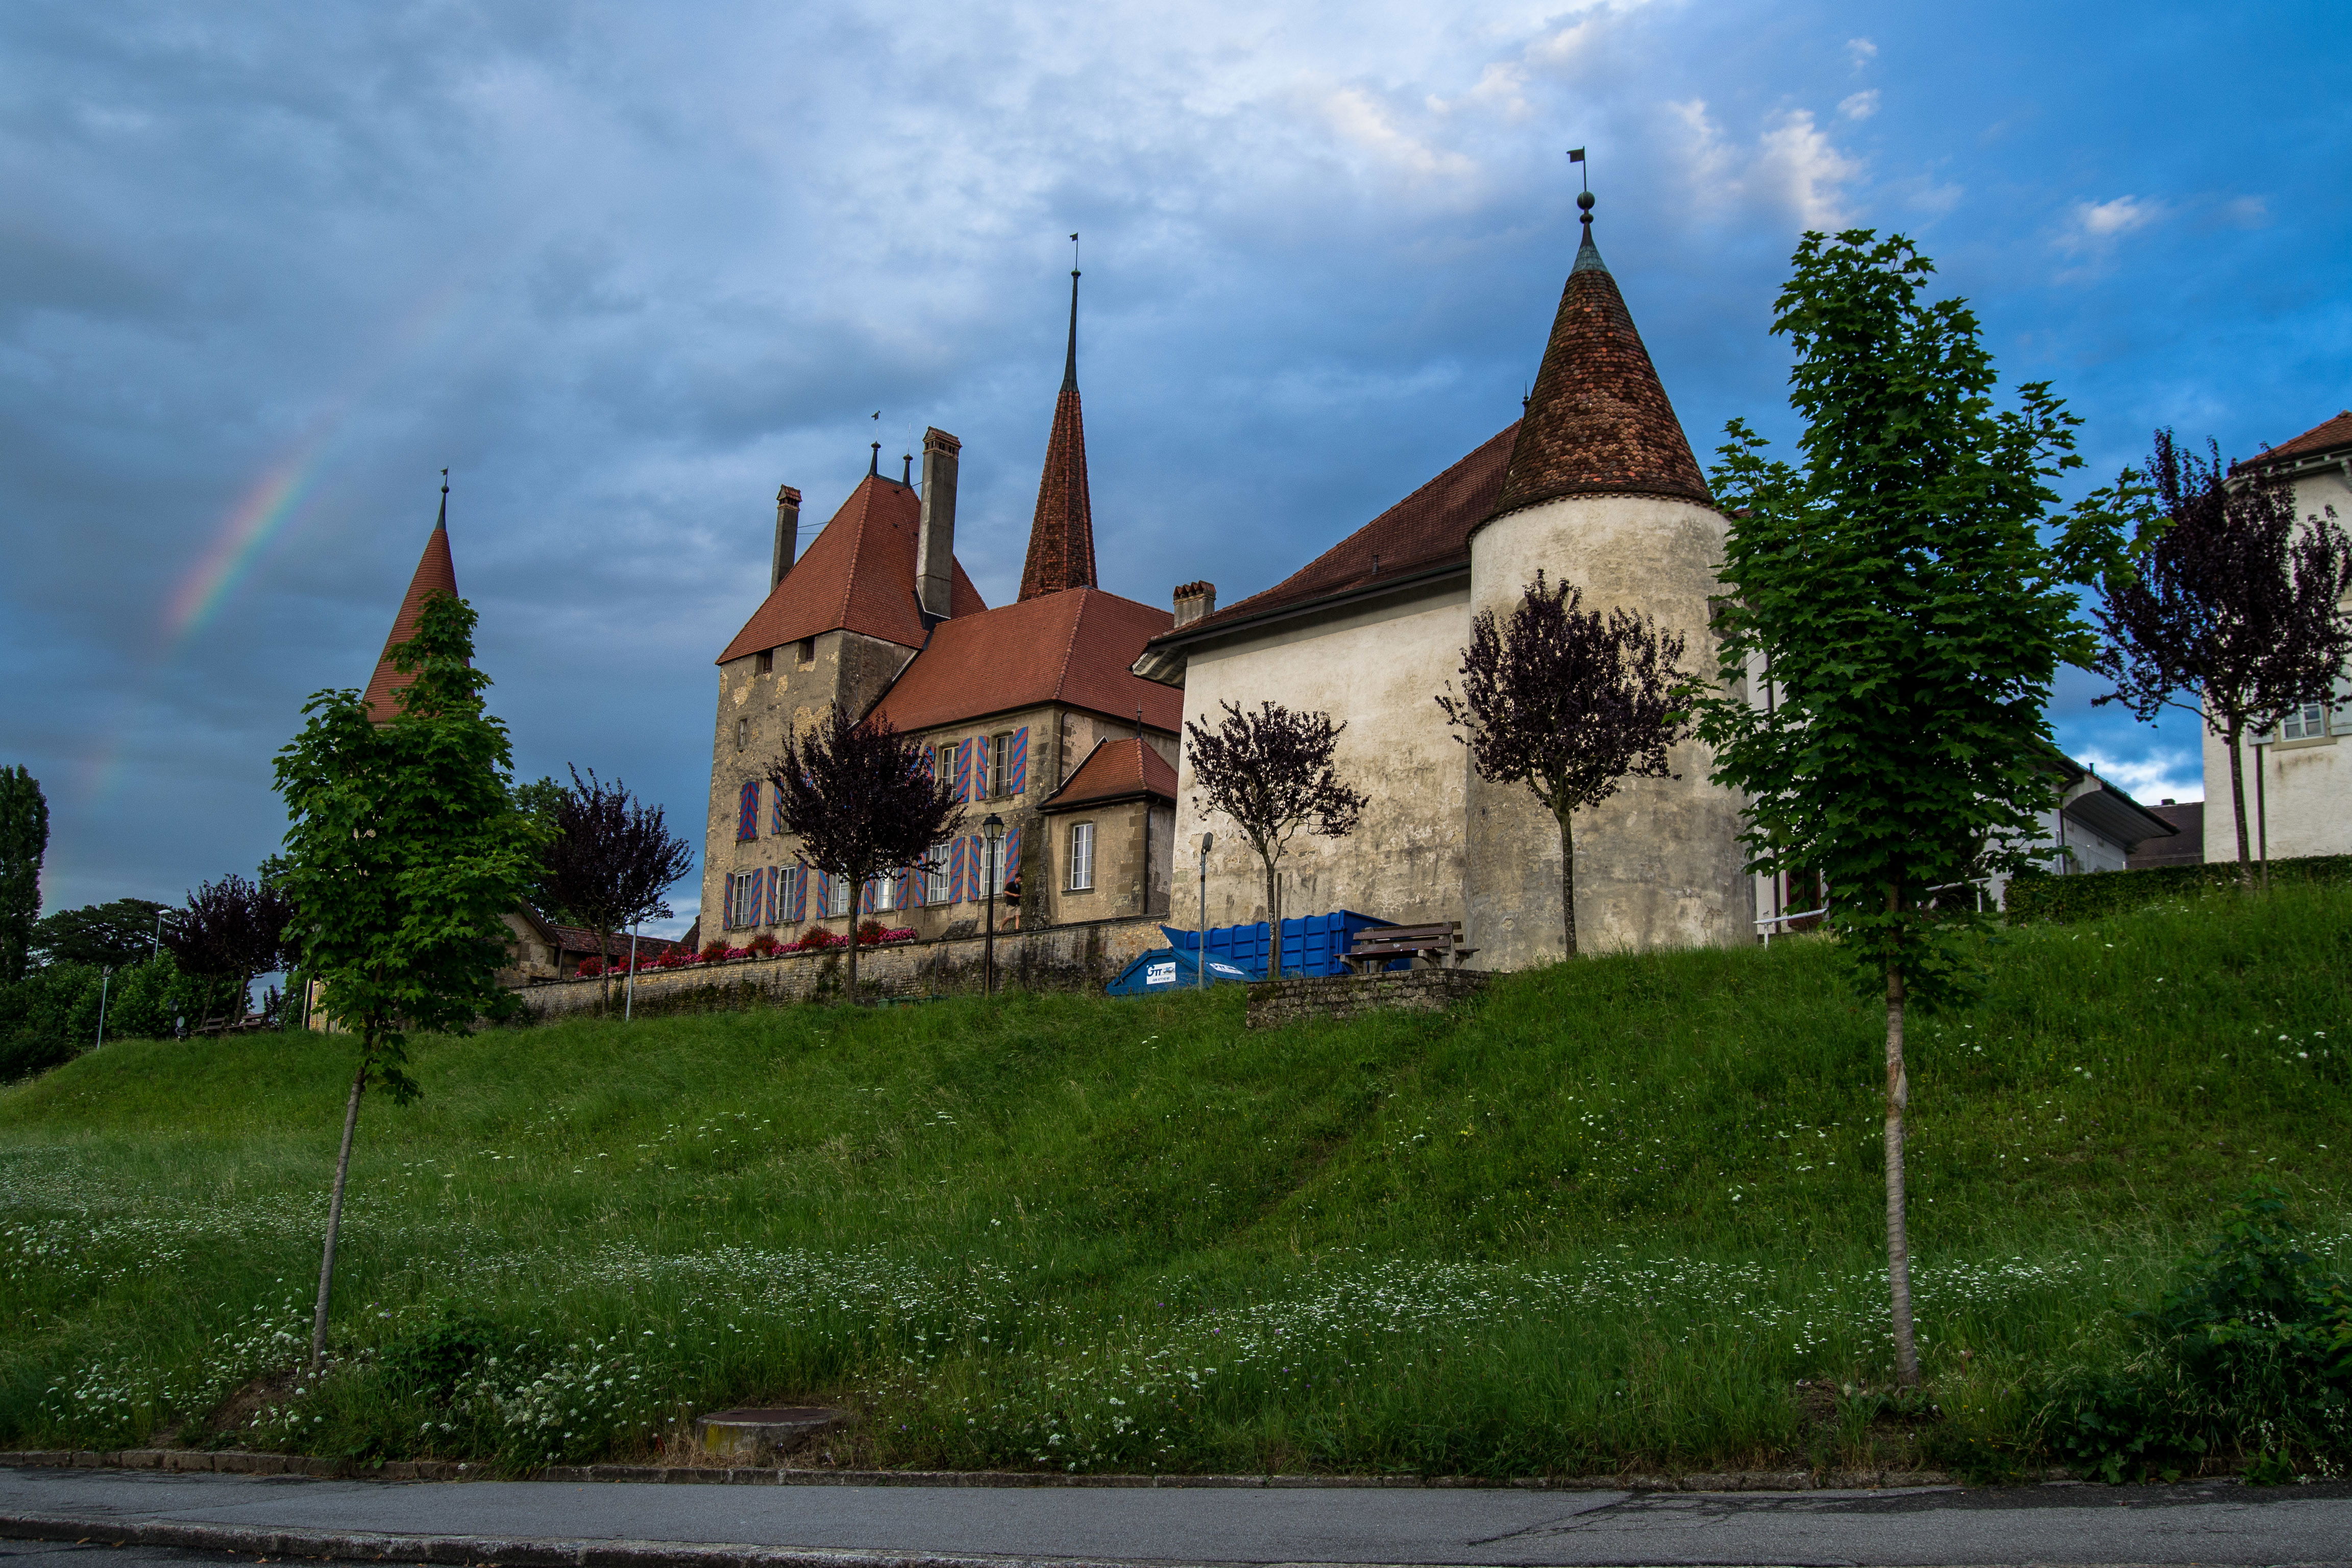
point(1576, 154)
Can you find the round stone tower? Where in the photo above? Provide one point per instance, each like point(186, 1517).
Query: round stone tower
point(1603, 493)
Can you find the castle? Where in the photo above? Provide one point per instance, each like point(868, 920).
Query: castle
point(1061, 713)
point(1030, 708)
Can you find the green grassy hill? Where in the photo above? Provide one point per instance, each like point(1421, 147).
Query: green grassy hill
point(1609, 1218)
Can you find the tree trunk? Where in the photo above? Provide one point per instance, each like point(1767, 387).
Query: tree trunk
point(335, 1218)
point(603, 971)
point(1273, 920)
point(853, 942)
point(1568, 883)
point(1898, 1238)
point(2237, 805)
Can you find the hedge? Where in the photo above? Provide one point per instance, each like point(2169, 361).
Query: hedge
point(2039, 896)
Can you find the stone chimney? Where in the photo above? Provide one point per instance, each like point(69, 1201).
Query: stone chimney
point(787, 533)
point(935, 544)
point(1194, 600)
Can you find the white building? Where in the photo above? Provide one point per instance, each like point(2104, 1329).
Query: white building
point(2299, 782)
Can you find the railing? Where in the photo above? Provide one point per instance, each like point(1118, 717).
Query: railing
point(1762, 926)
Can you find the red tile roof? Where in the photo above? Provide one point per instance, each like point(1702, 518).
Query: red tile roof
point(1115, 770)
point(1429, 528)
point(858, 575)
point(435, 573)
point(2322, 437)
point(1072, 647)
point(1598, 422)
point(579, 939)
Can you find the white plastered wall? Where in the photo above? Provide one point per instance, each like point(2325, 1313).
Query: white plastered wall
point(1378, 668)
point(1659, 863)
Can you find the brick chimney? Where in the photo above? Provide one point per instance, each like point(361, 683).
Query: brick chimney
point(935, 544)
point(1194, 600)
point(787, 533)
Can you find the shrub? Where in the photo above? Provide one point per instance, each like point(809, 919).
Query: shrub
point(2251, 1352)
point(764, 943)
point(2039, 896)
point(817, 939)
point(590, 968)
point(435, 1360)
point(713, 951)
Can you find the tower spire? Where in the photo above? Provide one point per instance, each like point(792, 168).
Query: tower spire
point(1062, 537)
point(435, 573)
point(1597, 421)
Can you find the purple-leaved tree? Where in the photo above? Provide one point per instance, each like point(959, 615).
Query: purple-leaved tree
point(1271, 772)
point(2232, 607)
point(859, 799)
point(1570, 702)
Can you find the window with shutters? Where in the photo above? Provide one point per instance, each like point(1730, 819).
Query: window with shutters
point(1000, 777)
point(742, 906)
point(935, 879)
point(983, 774)
point(2307, 723)
point(839, 891)
point(1082, 856)
point(788, 892)
point(886, 893)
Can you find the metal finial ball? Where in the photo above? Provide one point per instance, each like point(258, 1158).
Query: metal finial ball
point(1584, 200)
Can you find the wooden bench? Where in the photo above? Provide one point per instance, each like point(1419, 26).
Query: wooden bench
point(1371, 948)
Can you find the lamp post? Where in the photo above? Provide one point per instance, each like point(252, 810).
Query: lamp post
point(629, 991)
point(993, 826)
point(1203, 954)
point(105, 979)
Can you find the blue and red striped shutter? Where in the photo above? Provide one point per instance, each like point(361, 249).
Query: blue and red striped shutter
point(747, 811)
point(1012, 853)
point(866, 898)
point(824, 894)
point(963, 769)
point(930, 762)
point(776, 814)
point(800, 891)
point(955, 871)
point(768, 914)
point(1017, 767)
point(906, 884)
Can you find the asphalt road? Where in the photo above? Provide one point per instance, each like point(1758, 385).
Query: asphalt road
point(2219, 1523)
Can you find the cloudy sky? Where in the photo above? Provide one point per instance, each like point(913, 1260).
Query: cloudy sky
point(267, 269)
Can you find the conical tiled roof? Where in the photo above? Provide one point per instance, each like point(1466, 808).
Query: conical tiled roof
point(1598, 423)
point(435, 573)
point(1062, 538)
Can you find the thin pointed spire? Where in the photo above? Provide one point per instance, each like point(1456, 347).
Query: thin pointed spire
point(1597, 422)
point(874, 464)
point(435, 572)
point(1062, 537)
point(1070, 365)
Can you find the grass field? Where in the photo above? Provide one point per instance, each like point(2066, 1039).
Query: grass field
point(1608, 1219)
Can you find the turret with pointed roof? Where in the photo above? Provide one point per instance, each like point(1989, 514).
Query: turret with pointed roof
point(435, 573)
point(1598, 422)
point(1062, 538)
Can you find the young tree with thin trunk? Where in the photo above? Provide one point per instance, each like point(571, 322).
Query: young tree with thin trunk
point(2230, 601)
point(1897, 589)
point(1570, 702)
point(1271, 773)
point(232, 930)
point(862, 801)
point(405, 851)
point(611, 859)
point(23, 840)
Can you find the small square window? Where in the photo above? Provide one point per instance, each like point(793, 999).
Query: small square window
point(2307, 723)
point(807, 654)
point(766, 663)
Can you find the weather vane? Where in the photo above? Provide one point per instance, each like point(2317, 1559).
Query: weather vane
point(1575, 155)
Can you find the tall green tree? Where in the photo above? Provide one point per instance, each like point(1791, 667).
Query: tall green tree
point(1902, 590)
point(113, 935)
point(405, 849)
point(23, 840)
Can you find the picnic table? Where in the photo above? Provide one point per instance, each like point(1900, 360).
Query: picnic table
point(1427, 946)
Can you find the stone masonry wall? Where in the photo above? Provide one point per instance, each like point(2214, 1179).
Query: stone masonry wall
point(1081, 957)
point(1277, 1002)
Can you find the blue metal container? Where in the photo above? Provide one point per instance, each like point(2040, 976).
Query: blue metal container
point(1311, 944)
point(1165, 970)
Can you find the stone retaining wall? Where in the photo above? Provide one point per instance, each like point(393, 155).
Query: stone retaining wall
point(1273, 1002)
point(1078, 957)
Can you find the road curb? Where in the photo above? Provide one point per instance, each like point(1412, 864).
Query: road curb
point(501, 1552)
point(201, 1461)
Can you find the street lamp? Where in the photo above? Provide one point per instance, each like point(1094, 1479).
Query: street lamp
point(1203, 954)
point(993, 826)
